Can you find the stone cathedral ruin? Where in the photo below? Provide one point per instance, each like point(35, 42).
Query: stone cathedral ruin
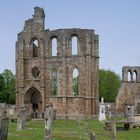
point(129, 92)
point(42, 77)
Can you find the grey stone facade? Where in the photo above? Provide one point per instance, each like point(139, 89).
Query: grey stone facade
point(34, 65)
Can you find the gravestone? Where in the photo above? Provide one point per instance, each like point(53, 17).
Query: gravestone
point(129, 112)
point(102, 116)
point(49, 118)
point(4, 122)
point(138, 108)
point(92, 136)
point(132, 113)
point(21, 119)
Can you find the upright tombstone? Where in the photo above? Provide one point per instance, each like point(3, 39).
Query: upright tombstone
point(92, 136)
point(132, 113)
point(48, 116)
point(129, 112)
point(21, 119)
point(4, 122)
point(102, 116)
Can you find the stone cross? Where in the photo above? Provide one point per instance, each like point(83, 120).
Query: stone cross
point(102, 116)
point(102, 100)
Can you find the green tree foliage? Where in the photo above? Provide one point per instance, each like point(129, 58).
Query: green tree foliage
point(75, 85)
point(1, 82)
point(2, 87)
point(109, 83)
point(7, 87)
point(54, 81)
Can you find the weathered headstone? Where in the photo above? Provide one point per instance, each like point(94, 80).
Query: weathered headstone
point(21, 119)
point(138, 108)
point(92, 136)
point(102, 116)
point(4, 122)
point(49, 117)
point(47, 134)
point(132, 113)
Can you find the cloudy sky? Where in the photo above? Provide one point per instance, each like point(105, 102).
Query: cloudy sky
point(116, 21)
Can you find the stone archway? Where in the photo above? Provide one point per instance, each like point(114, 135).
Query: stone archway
point(33, 103)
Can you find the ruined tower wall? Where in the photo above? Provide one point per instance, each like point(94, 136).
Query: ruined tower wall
point(130, 87)
point(35, 63)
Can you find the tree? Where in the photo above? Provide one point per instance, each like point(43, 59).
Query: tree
point(2, 87)
point(109, 83)
point(75, 85)
point(8, 91)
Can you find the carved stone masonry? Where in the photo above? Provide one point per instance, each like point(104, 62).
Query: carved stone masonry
point(42, 77)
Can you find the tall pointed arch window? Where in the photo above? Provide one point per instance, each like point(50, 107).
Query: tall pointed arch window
point(75, 81)
point(129, 76)
point(35, 45)
point(54, 46)
point(54, 81)
point(134, 76)
point(74, 45)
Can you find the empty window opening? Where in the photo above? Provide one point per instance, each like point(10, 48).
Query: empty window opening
point(75, 82)
point(35, 45)
point(54, 81)
point(74, 45)
point(54, 47)
point(134, 76)
point(129, 76)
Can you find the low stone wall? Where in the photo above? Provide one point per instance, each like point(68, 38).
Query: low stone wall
point(10, 110)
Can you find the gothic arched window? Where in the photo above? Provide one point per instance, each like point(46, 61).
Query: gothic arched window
point(129, 76)
point(74, 42)
point(54, 81)
point(134, 76)
point(54, 47)
point(35, 45)
point(75, 81)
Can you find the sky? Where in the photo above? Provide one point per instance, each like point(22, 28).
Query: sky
point(117, 22)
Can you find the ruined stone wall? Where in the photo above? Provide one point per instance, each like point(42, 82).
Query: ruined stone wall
point(130, 88)
point(35, 63)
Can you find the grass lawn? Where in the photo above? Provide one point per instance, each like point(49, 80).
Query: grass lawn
point(69, 130)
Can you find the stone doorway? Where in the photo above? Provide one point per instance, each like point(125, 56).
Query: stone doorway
point(33, 103)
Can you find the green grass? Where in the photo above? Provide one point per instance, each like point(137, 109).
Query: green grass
point(69, 130)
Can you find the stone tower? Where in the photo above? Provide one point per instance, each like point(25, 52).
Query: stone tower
point(42, 77)
point(129, 92)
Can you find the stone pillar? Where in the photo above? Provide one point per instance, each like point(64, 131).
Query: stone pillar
point(4, 122)
point(21, 119)
point(42, 78)
point(113, 129)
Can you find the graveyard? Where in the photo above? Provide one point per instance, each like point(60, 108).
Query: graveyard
point(103, 127)
point(69, 129)
point(58, 96)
